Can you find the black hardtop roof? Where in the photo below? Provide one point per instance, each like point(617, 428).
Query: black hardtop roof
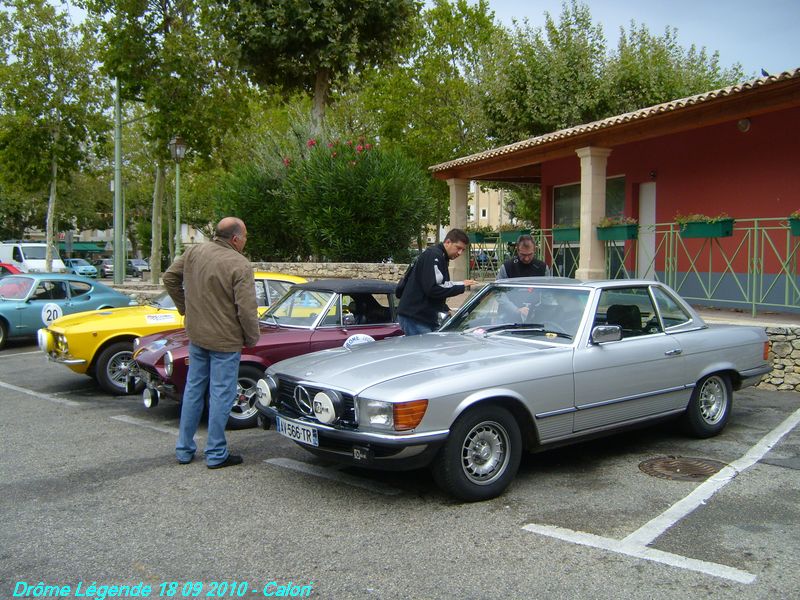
point(349, 286)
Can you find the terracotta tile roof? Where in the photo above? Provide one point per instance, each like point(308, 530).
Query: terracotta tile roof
point(637, 115)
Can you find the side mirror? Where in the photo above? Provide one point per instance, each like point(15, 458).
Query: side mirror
point(441, 318)
point(606, 333)
point(348, 319)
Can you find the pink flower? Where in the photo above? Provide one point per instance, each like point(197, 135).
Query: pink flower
point(368, 147)
point(311, 143)
point(286, 161)
point(349, 142)
point(359, 148)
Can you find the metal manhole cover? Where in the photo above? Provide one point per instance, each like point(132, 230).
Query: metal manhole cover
point(681, 468)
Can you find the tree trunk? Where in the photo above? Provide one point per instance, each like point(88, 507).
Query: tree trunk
point(51, 211)
point(155, 245)
point(321, 88)
point(169, 211)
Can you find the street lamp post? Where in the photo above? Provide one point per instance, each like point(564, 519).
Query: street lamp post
point(177, 148)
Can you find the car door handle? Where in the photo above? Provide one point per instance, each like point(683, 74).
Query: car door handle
point(675, 352)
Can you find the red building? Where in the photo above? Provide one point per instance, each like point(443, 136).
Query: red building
point(733, 151)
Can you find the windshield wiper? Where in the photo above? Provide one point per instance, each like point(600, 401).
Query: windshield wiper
point(537, 328)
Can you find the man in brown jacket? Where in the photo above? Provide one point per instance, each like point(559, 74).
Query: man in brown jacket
point(212, 284)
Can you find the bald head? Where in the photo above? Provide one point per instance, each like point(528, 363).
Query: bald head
point(229, 227)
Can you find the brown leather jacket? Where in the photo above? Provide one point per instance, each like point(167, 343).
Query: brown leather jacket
point(212, 284)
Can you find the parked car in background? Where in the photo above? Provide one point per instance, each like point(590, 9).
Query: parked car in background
point(29, 301)
point(8, 269)
point(525, 365)
point(30, 256)
point(105, 267)
point(100, 343)
point(80, 266)
point(312, 316)
point(136, 267)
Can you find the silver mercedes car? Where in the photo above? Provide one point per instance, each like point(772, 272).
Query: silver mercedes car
point(524, 365)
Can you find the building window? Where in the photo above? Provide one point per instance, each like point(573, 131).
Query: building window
point(567, 202)
point(483, 213)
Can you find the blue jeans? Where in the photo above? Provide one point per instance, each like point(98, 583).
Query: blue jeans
point(216, 373)
point(412, 326)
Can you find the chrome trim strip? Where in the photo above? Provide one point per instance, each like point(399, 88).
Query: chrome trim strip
point(571, 409)
point(67, 361)
point(671, 390)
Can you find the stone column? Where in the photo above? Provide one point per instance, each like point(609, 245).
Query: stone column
point(458, 219)
point(592, 263)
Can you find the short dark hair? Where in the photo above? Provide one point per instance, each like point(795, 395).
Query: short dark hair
point(525, 239)
point(457, 235)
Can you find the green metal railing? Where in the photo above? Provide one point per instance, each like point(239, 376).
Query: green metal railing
point(757, 267)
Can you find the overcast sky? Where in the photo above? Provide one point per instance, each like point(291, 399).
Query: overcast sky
point(759, 34)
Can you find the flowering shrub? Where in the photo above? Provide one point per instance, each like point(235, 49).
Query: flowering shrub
point(700, 218)
point(795, 214)
point(614, 221)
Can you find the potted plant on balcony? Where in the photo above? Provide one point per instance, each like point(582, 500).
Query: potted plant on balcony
point(617, 228)
point(511, 233)
point(566, 233)
point(703, 226)
point(794, 222)
point(478, 233)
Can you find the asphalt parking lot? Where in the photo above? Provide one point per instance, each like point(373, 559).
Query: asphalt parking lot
point(92, 496)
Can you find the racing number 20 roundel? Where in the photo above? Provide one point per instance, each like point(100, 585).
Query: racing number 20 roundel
point(51, 312)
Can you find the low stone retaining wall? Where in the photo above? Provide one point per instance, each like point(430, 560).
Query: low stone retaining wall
point(785, 375)
point(384, 271)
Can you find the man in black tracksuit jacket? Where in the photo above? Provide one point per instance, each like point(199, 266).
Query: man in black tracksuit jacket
point(429, 285)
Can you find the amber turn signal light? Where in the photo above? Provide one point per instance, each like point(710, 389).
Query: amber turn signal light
point(407, 415)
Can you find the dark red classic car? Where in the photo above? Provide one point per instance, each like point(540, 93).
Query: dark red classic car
point(311, 316)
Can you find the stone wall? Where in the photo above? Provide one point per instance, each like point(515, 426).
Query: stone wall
point(785, 373)
point(385, 271)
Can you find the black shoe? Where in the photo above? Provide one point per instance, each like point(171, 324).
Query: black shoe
point(233, 459)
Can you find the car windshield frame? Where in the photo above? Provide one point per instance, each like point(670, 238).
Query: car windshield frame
point(551, 313)
point(163, 301)
point(296, 302)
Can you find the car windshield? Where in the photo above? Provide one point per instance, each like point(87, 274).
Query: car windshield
point(298, 308)
point(162, 301)
point(13, 287)
point(79, 262)
point(139, 262)
point(548, 312)
point(38, 251)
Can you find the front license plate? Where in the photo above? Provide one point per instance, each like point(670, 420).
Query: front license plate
point(297, 431)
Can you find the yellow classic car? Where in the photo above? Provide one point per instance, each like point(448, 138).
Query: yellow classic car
point(99, 343)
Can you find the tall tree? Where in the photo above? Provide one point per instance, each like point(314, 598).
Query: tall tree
point(170, 57)
point(430, 103)
point(648, 69)
point(50, 102)
point(311, 45)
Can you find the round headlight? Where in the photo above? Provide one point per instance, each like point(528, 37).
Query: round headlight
point(45, 340)
point(168, 363)
point(327, 407)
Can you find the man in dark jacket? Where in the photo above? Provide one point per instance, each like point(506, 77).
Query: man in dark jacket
point(213, 285)
point(524, 263)
point(429, 285)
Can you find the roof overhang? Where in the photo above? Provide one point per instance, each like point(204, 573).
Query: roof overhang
point(521, 162)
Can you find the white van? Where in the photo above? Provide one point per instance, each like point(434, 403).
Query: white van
point(29, 256)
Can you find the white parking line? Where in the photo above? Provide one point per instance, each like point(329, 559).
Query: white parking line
point(145, 424)
point(47, 397)
point(636, 544)
point(334, 475)
point(22, 354)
